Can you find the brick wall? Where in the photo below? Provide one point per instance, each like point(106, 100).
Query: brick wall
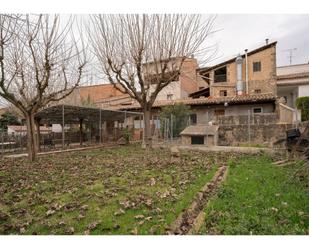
point(188, 77)
point(265, 80)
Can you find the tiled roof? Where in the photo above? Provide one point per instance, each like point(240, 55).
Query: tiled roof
point(211, 101)
point(200, 130)
point(206, 69)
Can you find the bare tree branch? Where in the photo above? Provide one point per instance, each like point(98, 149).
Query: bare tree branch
point(145, 53)
point(40, 62)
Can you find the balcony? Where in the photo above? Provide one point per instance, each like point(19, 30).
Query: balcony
point(220, 78)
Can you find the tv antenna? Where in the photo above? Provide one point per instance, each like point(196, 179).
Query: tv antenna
point(290, 51)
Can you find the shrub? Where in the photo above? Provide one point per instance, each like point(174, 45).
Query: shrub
point(302, 103)
point(180, 115)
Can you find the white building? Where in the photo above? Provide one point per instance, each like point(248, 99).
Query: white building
point(22, 130)
point(293, 82)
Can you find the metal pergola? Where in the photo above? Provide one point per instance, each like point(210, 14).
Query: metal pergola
point(70, 114)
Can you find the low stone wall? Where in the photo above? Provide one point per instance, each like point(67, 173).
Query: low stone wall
point(256, 119)
point(262, 134)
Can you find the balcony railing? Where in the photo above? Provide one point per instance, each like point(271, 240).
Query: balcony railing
point(220, 78)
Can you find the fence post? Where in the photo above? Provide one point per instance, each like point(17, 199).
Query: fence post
point(63, 134)
point(143, 143)
point(2, 142)
point(100, 126)
point(249, 131)
point(171, 128)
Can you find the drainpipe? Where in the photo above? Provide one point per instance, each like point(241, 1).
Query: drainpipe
point(246, 61)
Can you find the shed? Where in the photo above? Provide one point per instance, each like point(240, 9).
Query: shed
point(200, 134)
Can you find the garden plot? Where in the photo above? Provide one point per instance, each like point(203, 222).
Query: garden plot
point(123, 190)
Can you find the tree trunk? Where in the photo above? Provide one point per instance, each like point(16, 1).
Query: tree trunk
point(81, 132)
point(147, 128)
point(31, 137)
point(38, 135)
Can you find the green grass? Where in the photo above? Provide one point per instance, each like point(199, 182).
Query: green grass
point(100, 191)
point(252, 145)
point(260, 198)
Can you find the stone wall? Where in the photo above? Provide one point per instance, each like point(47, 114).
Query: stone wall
point(256, 119)
point(263, 129)
point(262, 134)
point(263, 81)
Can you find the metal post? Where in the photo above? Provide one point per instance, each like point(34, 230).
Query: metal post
point(171, 127)
point(207, 125)
point(125, 117)
point(2, 142)
point(80, 131)
point(143, 129)
point(100, 126)
point(249, 131)
point(63, 134)
point(140, 125)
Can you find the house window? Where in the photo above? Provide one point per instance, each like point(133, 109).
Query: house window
point(219, 112)
point(170, 96)
point(197, 140)
point(257, 67)
point(220, 75)
point(193, 119)
point(223, 93)
point(257, 110)
point(257, 91)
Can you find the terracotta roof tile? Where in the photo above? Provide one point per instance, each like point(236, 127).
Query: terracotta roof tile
point(211, 100)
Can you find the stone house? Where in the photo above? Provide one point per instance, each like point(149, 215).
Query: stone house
point(241, 85)
point(250, 73)
point(245, 85)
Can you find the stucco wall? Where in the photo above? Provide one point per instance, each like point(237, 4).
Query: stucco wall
point(205, 114)
point(303, 90)
point(172, 88)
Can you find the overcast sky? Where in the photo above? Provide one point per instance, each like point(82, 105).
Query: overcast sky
point(240, 31)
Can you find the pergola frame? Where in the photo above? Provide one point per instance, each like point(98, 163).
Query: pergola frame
point(70, 114)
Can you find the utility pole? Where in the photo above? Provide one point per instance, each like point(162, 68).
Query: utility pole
point(290, 51)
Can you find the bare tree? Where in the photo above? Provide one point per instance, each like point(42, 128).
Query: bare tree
point(40, 62)
point(144, 53)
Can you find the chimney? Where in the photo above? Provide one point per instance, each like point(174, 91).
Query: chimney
point(266, 40)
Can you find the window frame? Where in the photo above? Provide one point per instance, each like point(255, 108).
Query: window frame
point(254, 69)
point(195, 119)
point(257, 107)
point(224, 95)
point(169, 96)
point(215, 79)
